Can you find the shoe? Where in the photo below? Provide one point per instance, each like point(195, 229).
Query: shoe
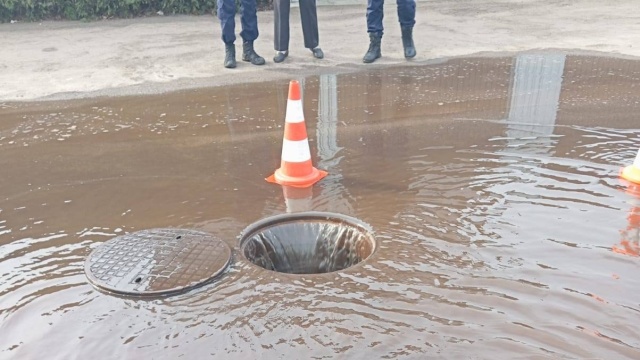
point(375, 38)
point(229, 56)
point(317, 53)
point(280, 56)
point(248, 54)
point(407, 42)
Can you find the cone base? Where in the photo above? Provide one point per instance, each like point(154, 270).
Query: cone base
point(631, 173)
point(299, 181)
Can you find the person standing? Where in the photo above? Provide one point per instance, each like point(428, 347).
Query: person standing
point(407, 18)
point(249, 33)
point(309, 18)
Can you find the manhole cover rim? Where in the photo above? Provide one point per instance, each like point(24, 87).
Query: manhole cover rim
point(270, 221)
point(319, 216)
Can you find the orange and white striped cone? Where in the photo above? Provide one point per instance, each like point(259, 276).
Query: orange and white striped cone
point(631, 173)
point(297, 199)
point(630, 243)
point(296, 168)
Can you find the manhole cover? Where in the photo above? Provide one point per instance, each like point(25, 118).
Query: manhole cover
point(156, 262)
point(307, 243)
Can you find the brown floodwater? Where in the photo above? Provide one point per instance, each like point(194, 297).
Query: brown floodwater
point(491, 183)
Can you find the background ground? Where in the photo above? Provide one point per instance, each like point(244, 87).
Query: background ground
point(54, 60)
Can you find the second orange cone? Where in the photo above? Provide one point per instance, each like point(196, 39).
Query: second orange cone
point(296, 168)
point(632, 172)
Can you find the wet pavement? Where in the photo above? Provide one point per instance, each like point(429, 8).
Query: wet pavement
point(491, 184)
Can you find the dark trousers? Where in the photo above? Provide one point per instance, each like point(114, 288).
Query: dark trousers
point(406, 14)
point(248, 18)
point(309, 19)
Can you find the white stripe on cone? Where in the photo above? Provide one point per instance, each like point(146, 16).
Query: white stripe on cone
point(295, 151)
point(294, 112)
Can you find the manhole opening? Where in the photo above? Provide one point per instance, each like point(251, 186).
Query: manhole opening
point(307, 243)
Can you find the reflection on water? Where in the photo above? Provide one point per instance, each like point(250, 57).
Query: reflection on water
point(491, 184)
point(535, 94)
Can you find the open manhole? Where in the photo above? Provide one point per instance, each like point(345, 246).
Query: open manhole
point(307, 243)
point(156, 262)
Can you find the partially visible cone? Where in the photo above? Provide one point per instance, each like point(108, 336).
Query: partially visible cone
point(632, 189)
point(632, 172)
point(630, 243)
point(297, 199)
point(296, 168)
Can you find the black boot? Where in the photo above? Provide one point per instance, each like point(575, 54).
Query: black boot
point(229, 56)
point(248, 54)
point(374, 47)
point(280, 56)
point(407, 42)
point(317, 53)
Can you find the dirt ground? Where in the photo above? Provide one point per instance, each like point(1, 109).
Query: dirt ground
point(62, 60)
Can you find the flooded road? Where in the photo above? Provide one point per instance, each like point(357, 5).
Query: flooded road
point(491, 184)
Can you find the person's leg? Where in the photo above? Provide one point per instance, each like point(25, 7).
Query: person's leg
point(281, 29)
point(249, 33)
point(281, 10)
point(309, 18)
point(406, 13)
point(375, 29)
point(226, 14)
point(407, 19)
point(249, 20)
point(375, 14)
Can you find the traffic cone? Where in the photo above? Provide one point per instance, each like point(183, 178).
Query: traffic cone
point(632, 189)
point(296, 168)
point(297, 199)
point(632, 172)
point(630, 243)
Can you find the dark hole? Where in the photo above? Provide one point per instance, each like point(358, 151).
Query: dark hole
point(138, 280)
point(307, 247)
point(178, 237)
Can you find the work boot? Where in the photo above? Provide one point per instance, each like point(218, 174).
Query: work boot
point(407, 42)
point(229, 56)
point(248, 54)
point(374, 47)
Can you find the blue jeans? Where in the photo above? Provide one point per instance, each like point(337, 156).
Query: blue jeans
point(375, 13)
point(248, 18)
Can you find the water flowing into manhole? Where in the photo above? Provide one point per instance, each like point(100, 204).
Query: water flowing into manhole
point(307, 243)
point(156, 262)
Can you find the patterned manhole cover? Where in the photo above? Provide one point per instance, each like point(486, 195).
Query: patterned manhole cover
point(156, 262)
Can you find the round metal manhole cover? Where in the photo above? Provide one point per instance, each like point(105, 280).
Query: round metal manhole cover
point(156, 262)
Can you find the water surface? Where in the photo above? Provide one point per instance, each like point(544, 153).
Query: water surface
point(491, 183)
